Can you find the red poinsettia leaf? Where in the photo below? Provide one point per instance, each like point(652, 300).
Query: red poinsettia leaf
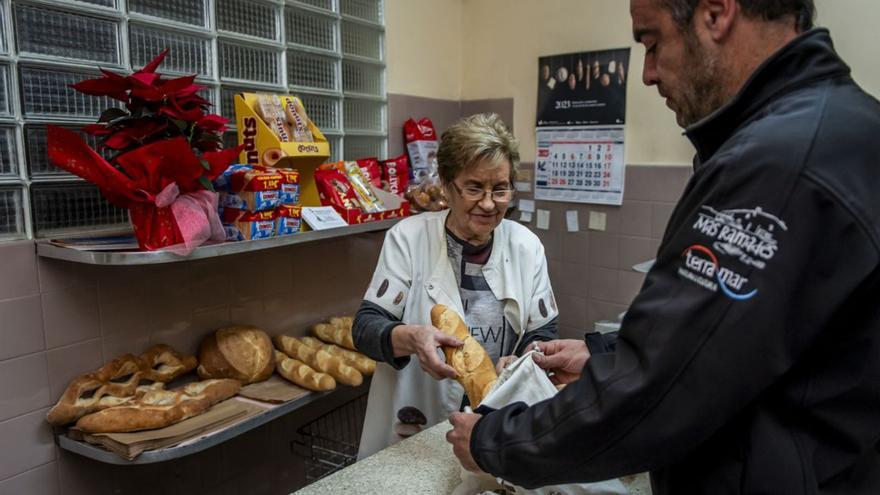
point(172, 86)
point(220, 160)
point(113, 76)
point(154, 64)
point(213, 122)
point(189, 91)
point(119, 140)
point(156, 164)
point(69, 152)
point(193, 115)
point(112, 114)
point(103, 86)
point(97, 129)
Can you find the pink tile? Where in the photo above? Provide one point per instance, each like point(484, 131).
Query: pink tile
point(209, 320)
point(572, 311)
point(289, 317)
point(572, 280)
point(70, 316)
point(635, 218)
point(66, 363)
point(634, 250)
point(630, 285)
point(18, 277)
point(58, 275)
point(552, 241)
point(21, 326)
point(603, 284)
point(180, 335)
point(604, 250)
point(660, 214)
point(210, 283)
point(28, 443)
point(602, 310)
point(42, 480)
point(249, 312)
point(83, 476)
point(567, 332)
point(24, 385)
point(575, 246)
point(134, 342)
point(655, 183)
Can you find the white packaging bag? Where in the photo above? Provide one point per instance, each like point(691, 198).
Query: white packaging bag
point(524, 381)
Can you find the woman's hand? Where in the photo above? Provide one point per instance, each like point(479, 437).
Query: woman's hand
point(504, 362)
point(423, 341)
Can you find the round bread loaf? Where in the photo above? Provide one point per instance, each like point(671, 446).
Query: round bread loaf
point(244, 353)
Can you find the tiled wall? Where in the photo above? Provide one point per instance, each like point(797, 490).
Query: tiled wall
point(60, 319)
point(591, 271)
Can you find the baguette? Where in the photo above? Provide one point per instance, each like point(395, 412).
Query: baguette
point(301, 374)
point(160, 408)
point(476, 373)
point(354, 359)
point(319, 360)
point(338, 333)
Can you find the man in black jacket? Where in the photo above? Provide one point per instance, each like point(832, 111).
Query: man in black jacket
point(750, 360)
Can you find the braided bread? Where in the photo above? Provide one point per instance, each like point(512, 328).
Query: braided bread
point(160, 408)
point(117, 382)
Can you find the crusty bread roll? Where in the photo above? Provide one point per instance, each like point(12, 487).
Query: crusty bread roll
point(319, 360)
point(335, 333)
point(160, 408)
point(301, 374)
point(476, 373)
point(243, 353)
point(354, 359)
point(117, 382)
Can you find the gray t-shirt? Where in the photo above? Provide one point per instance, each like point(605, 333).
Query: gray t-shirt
point(483, 312)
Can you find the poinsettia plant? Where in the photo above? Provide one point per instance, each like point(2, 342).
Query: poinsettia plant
point(166, 150)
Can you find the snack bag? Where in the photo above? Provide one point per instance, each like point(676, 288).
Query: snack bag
point(272, 112)
point(421, 143)
point(297, 120)
point(252, 189)
point(334, 189)
point(370, 203)
point(243, 225)
point(289, 186)
point(289, 219)
point(221, 183)
point(370, 168)
point(426, 196)
point(395, 174)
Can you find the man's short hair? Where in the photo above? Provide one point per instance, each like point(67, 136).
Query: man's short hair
point(803, 11)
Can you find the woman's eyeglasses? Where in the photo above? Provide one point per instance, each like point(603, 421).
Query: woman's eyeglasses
point(472, 193)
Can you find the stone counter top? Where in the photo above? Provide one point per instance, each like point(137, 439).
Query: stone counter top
point(422, 464)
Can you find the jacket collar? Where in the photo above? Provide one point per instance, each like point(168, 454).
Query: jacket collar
point(808, 58)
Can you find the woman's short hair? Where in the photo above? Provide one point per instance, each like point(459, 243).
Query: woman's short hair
point(474, 139)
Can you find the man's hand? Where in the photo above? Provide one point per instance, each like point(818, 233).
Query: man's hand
point(565, 358)
point(423, 341)
point(460, 438)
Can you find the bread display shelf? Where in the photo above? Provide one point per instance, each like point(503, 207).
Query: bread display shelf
point(190, 447)
point(47, 250)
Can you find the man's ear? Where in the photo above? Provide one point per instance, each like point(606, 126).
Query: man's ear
point(716, 17)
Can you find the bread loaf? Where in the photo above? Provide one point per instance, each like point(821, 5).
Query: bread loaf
point(337, 333)
point(301, 374)
point(117, 382)
point(319, 360)
point(354, 359)
point(476, 373)
point(160, 408)
point(243, 353)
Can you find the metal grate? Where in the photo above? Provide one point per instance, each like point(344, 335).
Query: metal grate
point(311, 71)
point(188, 54)
point(335, 148)
point(368, 10)
point(11, 211)
point(323, 110)
point(331, 442)
point(363, 146)
point(37, 150)
point(185, 11)
point(361, 78)
point(50, 32)
point(47, 93)
point(227, 101)
point(249, 63)
point(309, 29)
point(103, 3)
point(72, 206)
point(8, 157)
point(364, 115)
point(321, 4)
point(361, 41)
point(247, 17)
point(3, 48)
point(5, 106)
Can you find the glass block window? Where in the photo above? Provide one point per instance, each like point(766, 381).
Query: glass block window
point(330, 53)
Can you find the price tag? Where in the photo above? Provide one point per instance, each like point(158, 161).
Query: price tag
point(322, 217)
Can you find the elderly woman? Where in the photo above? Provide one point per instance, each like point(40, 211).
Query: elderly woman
point(491, 270)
